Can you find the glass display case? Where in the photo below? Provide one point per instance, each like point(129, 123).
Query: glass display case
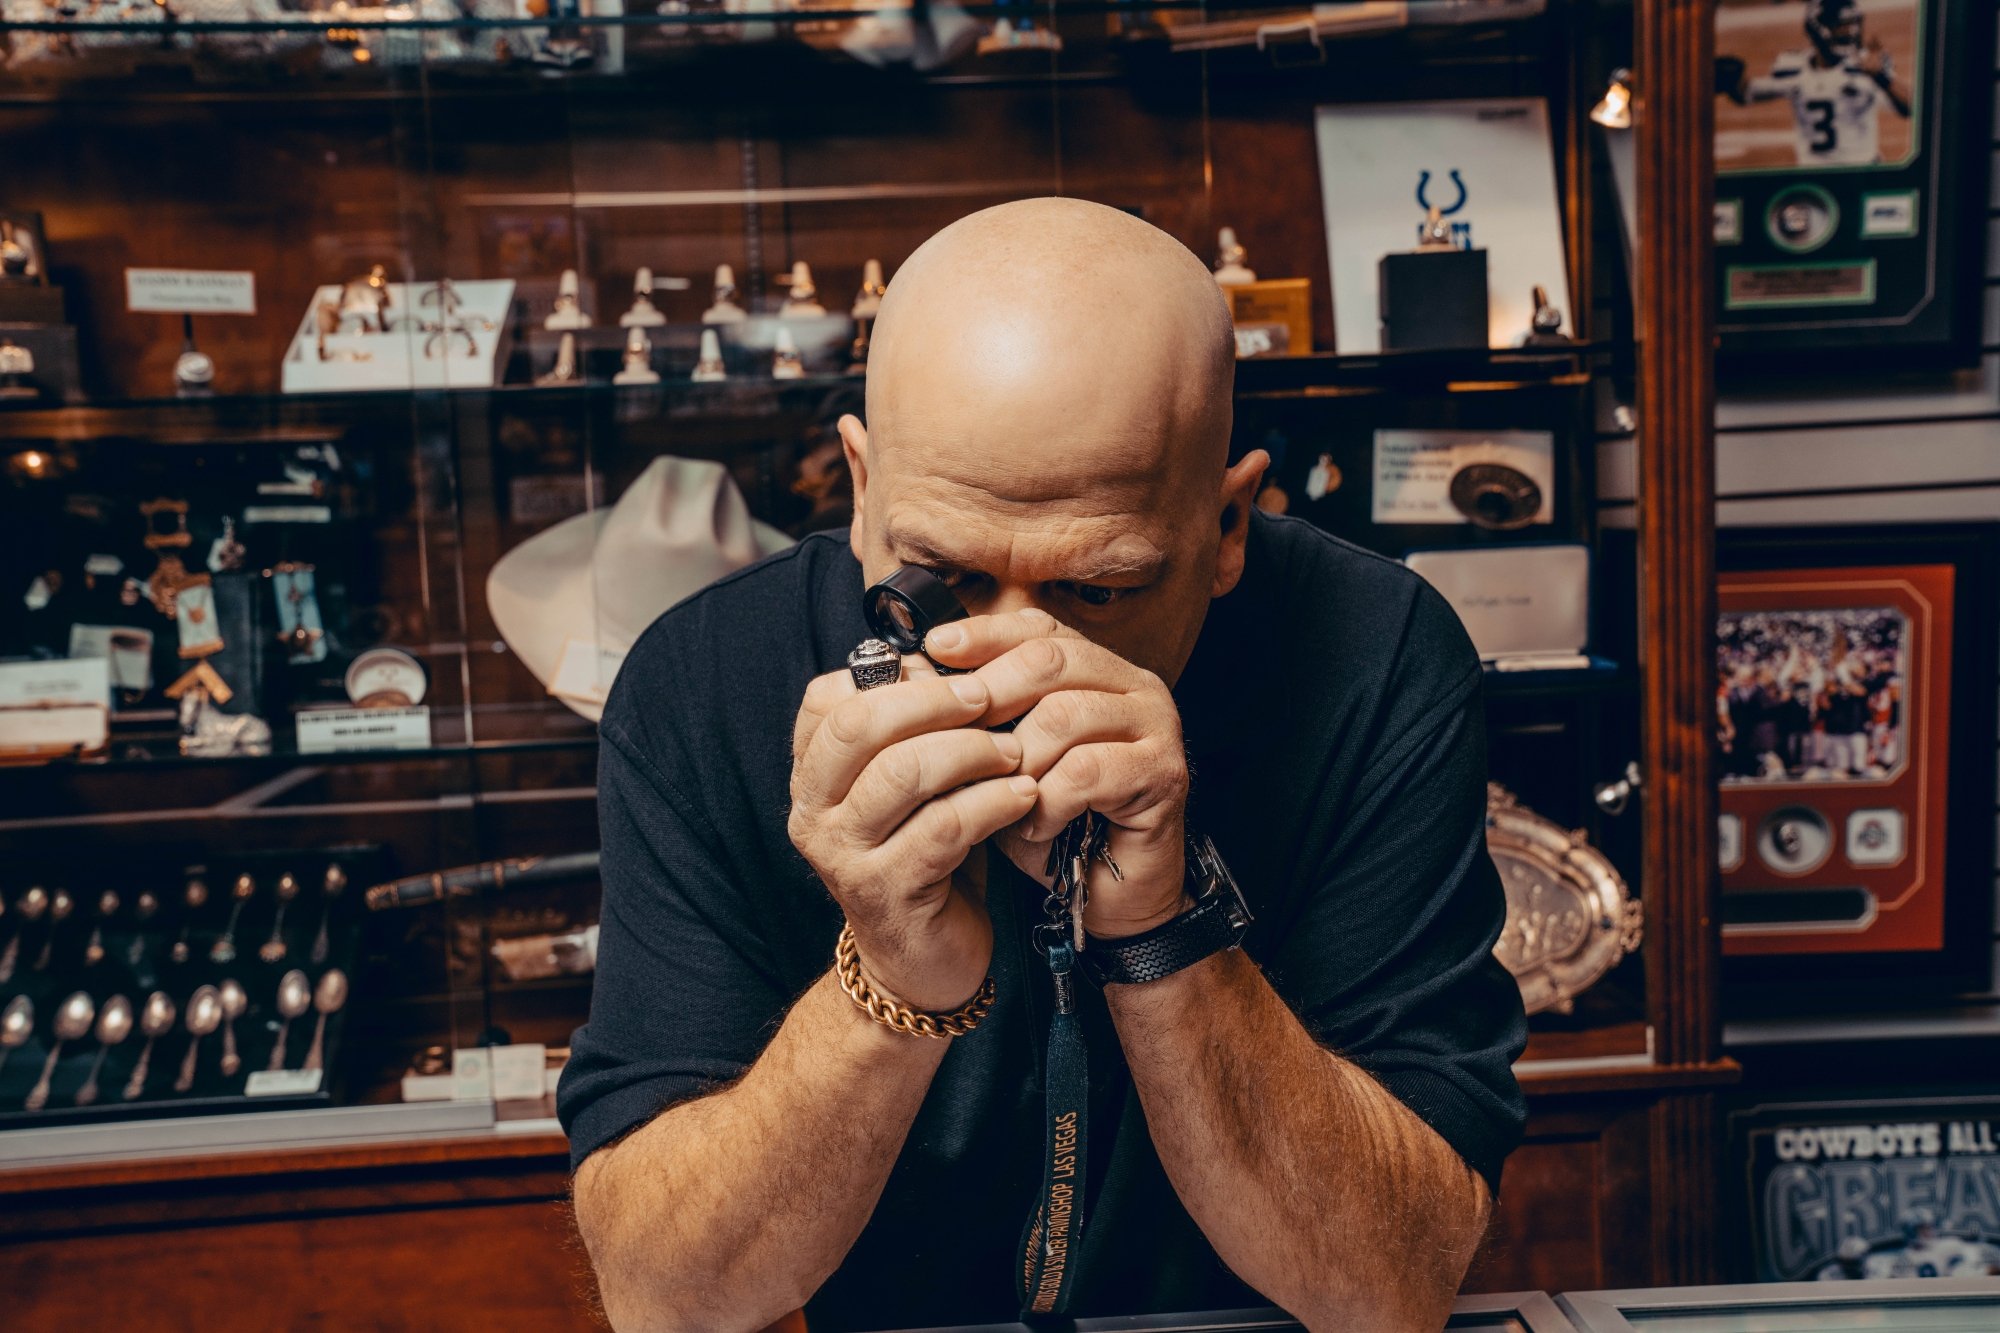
point(348, 331)
point(1507, 1312)
point(1905, 1305)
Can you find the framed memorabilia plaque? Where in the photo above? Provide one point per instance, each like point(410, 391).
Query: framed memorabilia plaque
point(1850, 159)
point(1854, 733)
point(1865, 1190)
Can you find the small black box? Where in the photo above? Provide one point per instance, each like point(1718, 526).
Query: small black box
point(1433, 300)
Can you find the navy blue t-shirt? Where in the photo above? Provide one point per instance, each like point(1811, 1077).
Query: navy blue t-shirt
point(1332, 715)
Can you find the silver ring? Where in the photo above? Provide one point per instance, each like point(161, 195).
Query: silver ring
point(874, 663)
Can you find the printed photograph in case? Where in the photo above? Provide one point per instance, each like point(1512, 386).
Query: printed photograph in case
point(1833, 702)
point(1853, 721)
point(1848, 148)
point(1860, 1190)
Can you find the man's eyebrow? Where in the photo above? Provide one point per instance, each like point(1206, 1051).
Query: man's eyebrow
point(1089, 570)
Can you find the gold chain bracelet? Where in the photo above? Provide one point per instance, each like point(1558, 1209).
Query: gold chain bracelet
point(914, 1022)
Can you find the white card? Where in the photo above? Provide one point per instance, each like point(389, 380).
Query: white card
point(519, 1072)
point(191, 291)
point(283, 1082)
point(128, 652)
point(76, 680)
point(1494, 155)
point(328, 730)
point(1414, 468)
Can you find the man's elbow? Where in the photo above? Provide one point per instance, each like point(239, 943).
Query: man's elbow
point(645, 1282)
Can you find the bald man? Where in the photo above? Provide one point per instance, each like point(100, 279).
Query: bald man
point(1315, 1119)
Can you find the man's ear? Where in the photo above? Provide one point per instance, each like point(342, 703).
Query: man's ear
point(854, 444)
point(1239, 492)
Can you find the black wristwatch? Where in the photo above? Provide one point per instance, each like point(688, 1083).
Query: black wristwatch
point(1216, 922)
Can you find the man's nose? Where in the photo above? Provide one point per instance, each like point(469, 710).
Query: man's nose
point(1008, 598)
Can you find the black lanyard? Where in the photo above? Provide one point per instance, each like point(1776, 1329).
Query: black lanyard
point(1054, 1234)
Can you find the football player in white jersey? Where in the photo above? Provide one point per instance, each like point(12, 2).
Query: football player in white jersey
point(1836, 89)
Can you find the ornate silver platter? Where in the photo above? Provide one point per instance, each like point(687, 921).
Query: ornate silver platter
point(1570, 917)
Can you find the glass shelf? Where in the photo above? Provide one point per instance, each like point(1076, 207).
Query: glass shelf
point(352, 19)
point(280, 418)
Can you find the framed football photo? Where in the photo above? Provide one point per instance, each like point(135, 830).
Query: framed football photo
point(1850, 1191)
point(1854, 740)
point(1850, 160)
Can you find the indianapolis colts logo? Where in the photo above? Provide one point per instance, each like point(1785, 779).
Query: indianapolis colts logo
point(1461, 229)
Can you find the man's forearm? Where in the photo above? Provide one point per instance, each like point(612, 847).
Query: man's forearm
point(729, 1211)
point(1313, 1183)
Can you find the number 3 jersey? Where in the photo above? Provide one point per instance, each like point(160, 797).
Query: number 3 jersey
point(1837, 110)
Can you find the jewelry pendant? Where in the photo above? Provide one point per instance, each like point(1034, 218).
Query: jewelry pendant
point(205, 678)
point(194, 614)
point(226, 553)
point(164, 587)
point(300, 629)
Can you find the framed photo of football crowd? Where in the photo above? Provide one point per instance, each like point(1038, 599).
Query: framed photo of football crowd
point(1854, 733)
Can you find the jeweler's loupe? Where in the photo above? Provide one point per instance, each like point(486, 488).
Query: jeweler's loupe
point(909, 604)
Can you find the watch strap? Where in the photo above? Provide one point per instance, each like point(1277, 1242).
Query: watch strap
point(1208, 927)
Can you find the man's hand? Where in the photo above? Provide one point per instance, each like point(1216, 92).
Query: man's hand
point(891, 788)
point(1097, 733)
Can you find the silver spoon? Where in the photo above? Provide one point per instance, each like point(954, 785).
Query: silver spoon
point(145, 910)
point(114, 1024)
point(330, 995)
point(273, 950)
point(107, 907)
point(224, 949)
point(294, 995)
point(72, 1022)
point(204, 1015)
point(33, 903)
point(17, 1024)
point(336, 880)
point(195, 897)
point(60, 906)
point(234, 1002)
point(156, 1020)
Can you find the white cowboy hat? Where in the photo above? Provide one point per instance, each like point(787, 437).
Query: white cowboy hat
point(570, 601)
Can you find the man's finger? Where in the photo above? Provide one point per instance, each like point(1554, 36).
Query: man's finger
point(913, 771)
point(823, 693)
point(933, 841)
point(977, 640)
point(863, 725)
point(1074, 717)
point(1022, 676)
point(1119, 780)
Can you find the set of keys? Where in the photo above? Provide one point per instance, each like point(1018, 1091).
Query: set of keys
point(1084, 839)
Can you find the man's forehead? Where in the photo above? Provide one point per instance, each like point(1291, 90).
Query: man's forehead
point(1026, 544)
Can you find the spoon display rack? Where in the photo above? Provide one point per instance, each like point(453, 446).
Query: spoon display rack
point(175, 931)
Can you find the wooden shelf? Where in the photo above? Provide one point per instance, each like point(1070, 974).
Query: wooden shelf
point(525, 1134)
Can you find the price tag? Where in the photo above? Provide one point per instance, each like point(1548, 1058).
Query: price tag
point(329, 730)
point(191, 291)
point(520, 1073)
point(283, 1083)
point(76, 680)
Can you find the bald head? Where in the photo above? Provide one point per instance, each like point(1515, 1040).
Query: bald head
point(1049, 402)
point(1097, 345)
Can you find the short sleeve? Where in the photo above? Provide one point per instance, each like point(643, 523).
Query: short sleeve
point(1391, 962)
point(684, 1000)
